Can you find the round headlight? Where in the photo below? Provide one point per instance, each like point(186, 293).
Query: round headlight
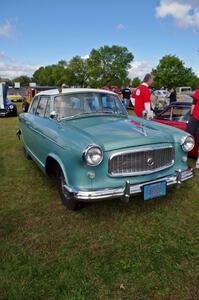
point(188, 143)
point(93, 155)
point(11, 106)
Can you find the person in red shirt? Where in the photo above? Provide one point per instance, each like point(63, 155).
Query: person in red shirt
point(194, 121)
point(142, 97)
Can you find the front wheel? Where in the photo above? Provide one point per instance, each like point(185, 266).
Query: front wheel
point(67, 199)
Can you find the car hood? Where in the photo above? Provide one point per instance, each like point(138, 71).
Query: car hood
point(116, 133)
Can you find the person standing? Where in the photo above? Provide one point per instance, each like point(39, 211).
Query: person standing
point(126, 94)
point(173, 95)
point(193, 126)
point(142, 96)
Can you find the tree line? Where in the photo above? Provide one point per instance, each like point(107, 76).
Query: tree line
point(109, 66)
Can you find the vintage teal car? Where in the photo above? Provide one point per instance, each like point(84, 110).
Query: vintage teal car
point(86, 138)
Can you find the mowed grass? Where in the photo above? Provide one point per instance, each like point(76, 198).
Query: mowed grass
point(109, 250)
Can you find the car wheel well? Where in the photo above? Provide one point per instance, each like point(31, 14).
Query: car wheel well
point(51, 167)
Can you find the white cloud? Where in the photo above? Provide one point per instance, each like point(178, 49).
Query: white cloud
point(14, 70)
point(85, 56)
point(7, 29)
point(184, 13)
point(140, 69)
point(120, 26)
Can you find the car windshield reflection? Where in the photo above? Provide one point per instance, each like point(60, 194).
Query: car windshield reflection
point(84, 104)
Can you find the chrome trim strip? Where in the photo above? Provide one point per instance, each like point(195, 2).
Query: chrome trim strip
point(140, 150)
point(127, 190)
point(45, 136)
point(135, 151)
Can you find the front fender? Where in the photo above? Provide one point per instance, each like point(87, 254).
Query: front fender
point(59, 161)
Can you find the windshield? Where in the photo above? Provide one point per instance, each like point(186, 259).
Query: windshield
point(89, 103)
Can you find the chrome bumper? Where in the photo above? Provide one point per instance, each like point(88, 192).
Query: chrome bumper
point(127, 190)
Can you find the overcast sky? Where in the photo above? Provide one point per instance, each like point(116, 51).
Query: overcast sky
point(36, 33)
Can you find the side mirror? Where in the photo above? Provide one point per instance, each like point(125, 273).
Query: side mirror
point(53, 114)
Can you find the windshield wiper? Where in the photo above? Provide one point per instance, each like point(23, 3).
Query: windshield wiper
point(113, 113)
point(93, 113)
point(74, 116)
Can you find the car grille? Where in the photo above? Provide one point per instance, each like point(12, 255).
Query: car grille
point(141, 162)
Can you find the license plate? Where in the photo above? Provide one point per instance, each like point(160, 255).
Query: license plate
point(154, 190)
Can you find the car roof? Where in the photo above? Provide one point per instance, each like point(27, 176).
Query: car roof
point(74, 90)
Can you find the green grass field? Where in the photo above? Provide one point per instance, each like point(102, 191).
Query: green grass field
point(109, 250)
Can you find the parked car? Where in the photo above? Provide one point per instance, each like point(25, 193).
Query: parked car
point(15, 97)
point(7, 108)
point(184, 89)
point(86, 138)
point(16, 94)
point(177, 115)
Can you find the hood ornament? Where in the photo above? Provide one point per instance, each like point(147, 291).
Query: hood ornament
point(139, 127)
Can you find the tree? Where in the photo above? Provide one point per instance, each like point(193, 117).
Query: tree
point(78, 71)
point(8, 81)
point(171, 72)
point(62, 63)
point(24, 80)
point(109, 66)
point(135, 82)
point(194, 82)
point(105, 66)
point(53, 75)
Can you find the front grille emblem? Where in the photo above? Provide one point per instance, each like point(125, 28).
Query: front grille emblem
point(150, 162)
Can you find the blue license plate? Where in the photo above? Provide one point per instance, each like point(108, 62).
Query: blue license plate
point(154, 190)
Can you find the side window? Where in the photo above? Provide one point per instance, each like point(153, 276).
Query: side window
point(41, 108)
point(34, 105)
point(49, 107)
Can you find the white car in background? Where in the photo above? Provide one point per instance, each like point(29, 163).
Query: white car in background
point(161, 93)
